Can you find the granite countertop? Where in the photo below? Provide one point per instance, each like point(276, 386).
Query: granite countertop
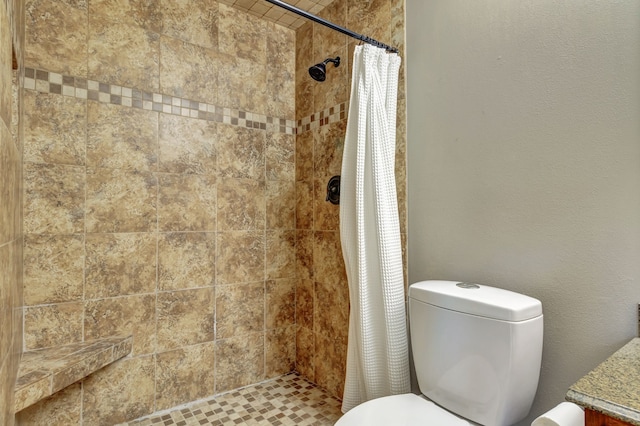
point(613, 387)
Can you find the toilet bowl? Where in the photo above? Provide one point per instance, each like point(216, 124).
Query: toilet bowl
point(477, 352)
point(400, 410)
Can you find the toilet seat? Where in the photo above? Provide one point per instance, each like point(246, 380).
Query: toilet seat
point(400, 410)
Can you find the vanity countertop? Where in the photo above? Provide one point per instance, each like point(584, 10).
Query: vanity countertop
point(613, 387)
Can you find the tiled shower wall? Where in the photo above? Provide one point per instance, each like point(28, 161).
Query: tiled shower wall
point(159, 199)
point(322, 294)
point(11, 39)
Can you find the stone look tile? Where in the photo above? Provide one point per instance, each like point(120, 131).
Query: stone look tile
point(281, 303)
point(304, 255)
point(188, 71)
point(281, 254)
point(143, 13)
point(10, 187)
point(52, 325)
point(331, 311)
point(184, 375)
point(304, 155)
point(328, 149)
point(55, 128)
point(121, 391)
point(305, 58)
point(241, 153)
point(330, 363)
point(281, 205)
point(280, 156)
point(304, 204)
point(186, 203)
point(6, 72)
point(38, 388)
point(238, 86)
point(121, 201)
point(242, 35)
point(327, 257)
point(281, 72)
point(280, 351)
point(121, 138)
point(304, 303)
point(372, 17)
point(123, 54)
point(240, 257)
point(56, 36)
point(53, 199)
point(53, 268)
point(187, 145)
point(239, 309)
point(122, 316)
point(241, 204)
point(63, 408)
point(120, 264)
point(305, 350)
point(194, 21)
point(186, 260)
point(185, 318)
point(239, 361)
point(82, 369)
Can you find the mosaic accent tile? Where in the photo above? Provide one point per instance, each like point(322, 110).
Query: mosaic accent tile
point(329, 115)
point(105, 92)
point(287, 400)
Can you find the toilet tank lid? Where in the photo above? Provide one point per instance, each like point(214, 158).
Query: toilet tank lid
point(476, 299)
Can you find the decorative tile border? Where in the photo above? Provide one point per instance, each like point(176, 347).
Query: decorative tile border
point(318, 119)
point(50, 82)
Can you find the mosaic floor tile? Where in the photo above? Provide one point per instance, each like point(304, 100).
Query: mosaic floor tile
point(286, 401)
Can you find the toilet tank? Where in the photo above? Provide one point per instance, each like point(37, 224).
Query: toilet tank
point(477, 349)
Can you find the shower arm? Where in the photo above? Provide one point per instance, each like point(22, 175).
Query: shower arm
point(333, 26)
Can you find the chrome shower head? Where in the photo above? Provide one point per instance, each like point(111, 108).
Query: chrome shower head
point(319, 71)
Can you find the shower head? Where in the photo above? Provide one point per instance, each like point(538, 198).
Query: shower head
point(319, 71)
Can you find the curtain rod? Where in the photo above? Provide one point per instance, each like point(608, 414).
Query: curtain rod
point(331, 25)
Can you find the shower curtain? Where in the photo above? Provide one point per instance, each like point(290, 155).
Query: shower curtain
point(378, 354)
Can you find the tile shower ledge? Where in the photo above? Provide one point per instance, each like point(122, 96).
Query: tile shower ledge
point(613, 387)
point(44, 372)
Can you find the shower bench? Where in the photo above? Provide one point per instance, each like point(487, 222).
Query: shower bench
point(44, 372)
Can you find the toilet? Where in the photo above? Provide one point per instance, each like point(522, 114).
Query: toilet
point(477, 352)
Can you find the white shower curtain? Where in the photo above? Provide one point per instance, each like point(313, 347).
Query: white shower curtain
point(378, 354)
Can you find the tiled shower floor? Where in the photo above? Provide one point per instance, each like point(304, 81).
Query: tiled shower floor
point(287, 400)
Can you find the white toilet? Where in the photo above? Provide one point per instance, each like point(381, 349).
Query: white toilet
point(477, 353)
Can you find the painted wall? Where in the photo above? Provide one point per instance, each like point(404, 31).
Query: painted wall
point(322, 292)
point(524, 164)
point(11, 137)
point(159, 199)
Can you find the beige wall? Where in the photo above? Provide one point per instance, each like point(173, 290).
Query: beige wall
point(524, 164)
point(322, 293)
point(159, 199)
point(11, 37)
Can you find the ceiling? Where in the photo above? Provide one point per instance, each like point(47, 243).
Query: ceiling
point(276, 14)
